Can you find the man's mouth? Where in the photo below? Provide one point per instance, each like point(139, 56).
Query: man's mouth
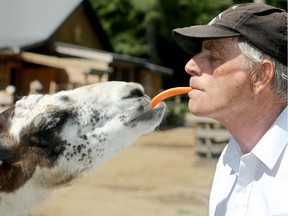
point(196, 88)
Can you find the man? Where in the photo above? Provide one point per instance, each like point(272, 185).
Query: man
point(239, 76)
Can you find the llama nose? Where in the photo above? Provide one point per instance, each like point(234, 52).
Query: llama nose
point(135, 93)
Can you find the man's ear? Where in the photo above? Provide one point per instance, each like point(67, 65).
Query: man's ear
point(6, 153)
point(262, 76)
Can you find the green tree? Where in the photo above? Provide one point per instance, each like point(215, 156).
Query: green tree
point(277, 3)
point(136, 26)
point(123, 25)
point(143, 27)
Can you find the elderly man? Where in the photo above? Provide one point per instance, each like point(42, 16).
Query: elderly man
point(239, 75)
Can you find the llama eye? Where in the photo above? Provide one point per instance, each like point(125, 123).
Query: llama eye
point(135, 93)
point(39, 141)
point(50, 121)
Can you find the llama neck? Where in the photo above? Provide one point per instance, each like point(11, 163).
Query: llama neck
point(21, 202)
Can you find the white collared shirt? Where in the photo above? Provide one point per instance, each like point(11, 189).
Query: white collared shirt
point(255, 183)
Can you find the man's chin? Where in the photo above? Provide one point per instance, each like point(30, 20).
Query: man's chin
point(197, 111)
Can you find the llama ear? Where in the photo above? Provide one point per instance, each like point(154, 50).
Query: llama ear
point(6, 154)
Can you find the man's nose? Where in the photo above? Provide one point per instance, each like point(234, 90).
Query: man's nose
point(192, 68)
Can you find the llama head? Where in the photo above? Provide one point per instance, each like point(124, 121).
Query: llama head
point(51, 140)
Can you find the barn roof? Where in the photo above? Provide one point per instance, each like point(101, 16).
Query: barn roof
point(26, 24)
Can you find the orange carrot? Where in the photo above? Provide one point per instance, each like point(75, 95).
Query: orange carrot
point(169, 93)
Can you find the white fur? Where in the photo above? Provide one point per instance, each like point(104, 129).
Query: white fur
point(102, 119)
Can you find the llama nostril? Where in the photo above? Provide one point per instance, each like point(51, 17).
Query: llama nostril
point(135, 93)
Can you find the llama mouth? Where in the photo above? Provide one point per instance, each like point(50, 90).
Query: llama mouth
point(154, 113)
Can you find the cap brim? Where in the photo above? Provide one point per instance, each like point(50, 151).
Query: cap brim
point(190, 38)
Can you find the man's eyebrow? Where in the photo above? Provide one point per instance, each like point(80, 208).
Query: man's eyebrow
point(212, 45)
point(206, 45)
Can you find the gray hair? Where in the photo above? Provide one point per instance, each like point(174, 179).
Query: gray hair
point(255, 55)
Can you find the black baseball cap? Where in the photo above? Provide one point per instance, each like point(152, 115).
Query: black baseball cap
point(262, 25)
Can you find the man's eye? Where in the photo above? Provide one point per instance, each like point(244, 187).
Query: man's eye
point(214, 54)
point(213, 57)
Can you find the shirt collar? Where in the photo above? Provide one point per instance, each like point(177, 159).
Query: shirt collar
point(232, 155)
point(265, 150)
point(269, 149)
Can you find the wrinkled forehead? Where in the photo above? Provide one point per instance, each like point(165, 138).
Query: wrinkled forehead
point(220, 43)
point(227, 48)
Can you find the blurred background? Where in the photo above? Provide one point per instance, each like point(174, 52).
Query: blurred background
point(143, 28)
point(48, 46)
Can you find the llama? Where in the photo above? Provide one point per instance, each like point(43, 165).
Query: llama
point(49, 141)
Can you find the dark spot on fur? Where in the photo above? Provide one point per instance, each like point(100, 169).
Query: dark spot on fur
point(130, 124)
point(79, 148)
point(100, 137)
point(65, 98)
point(84, 137)
point(140, 108)
point(122, 118)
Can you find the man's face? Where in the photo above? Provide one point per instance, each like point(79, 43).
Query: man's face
point(221, 85)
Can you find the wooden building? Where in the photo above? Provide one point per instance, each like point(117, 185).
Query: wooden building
point(62, 45)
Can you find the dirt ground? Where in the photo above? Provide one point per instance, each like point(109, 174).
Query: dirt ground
point(160, 174)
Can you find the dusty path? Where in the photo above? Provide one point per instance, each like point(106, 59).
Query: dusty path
point(160, 175)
